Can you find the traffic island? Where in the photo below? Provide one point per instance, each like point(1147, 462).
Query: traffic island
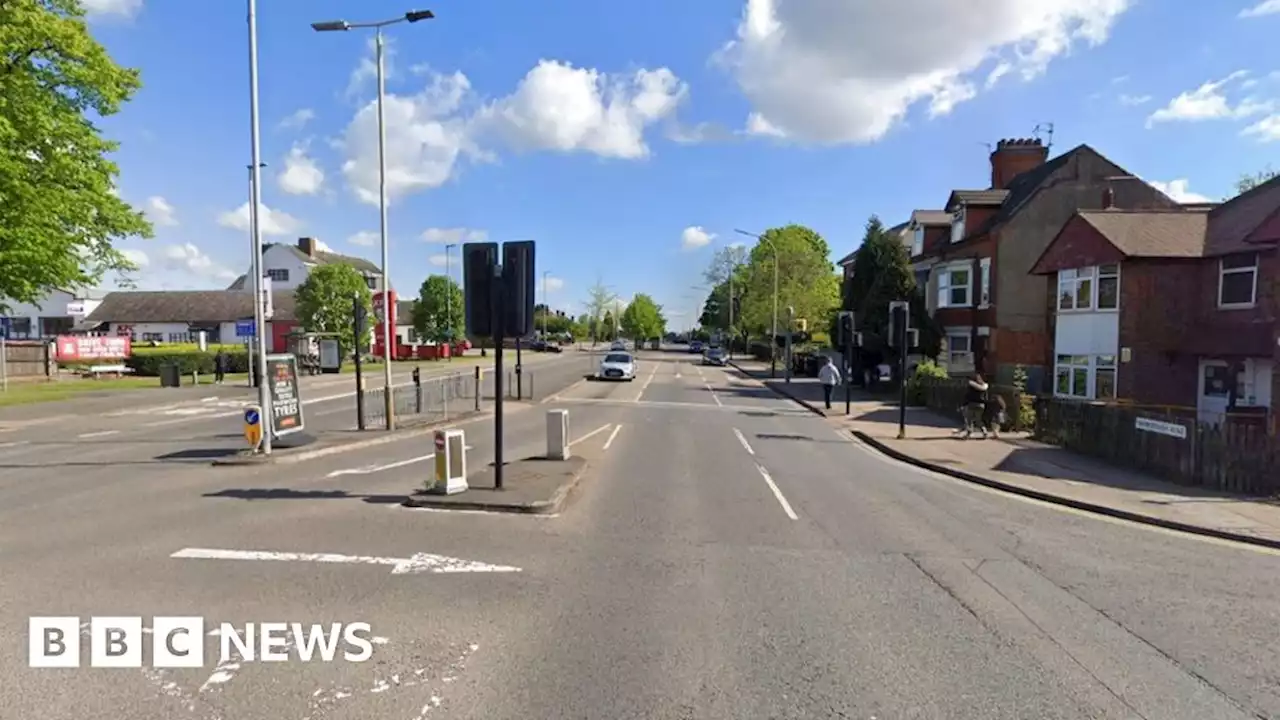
point(332, 443)
point(532, 486)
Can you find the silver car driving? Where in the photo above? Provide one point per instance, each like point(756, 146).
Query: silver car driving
point(617, 366)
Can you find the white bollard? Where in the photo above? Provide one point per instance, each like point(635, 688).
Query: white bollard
point(557, 434)
point(450, 474)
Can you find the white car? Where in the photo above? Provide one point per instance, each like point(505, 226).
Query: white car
point(617, 366)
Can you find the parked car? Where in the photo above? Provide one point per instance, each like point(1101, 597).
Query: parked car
point(714, 356)
point(617, 366)
point(695, 346)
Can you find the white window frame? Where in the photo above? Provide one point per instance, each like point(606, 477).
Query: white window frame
point(984, 282)
point(957, 225)
point(278, 274)
point(960, 359)
point(945, 286)
point(1223, 271)
point(1084, 387)
point(1106, 272)
point(917, 241)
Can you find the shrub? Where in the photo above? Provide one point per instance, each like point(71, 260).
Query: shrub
point(926, 372)
point(1025, 417)
point(147, 364)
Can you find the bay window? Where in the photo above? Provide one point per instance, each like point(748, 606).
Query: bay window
point(957, 226)
point(1238, 281)
point(953, 287)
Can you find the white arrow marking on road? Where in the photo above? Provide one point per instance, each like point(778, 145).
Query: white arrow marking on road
point(368, 469)
point(419, 563)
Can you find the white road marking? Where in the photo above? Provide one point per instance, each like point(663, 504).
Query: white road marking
point(100, 433)
point(779, 409)
point(419, 563)
point(782, 500)
point(612, 435)
point(742, 439)
point(370, 469)
point(714, 396)
point(593, 433)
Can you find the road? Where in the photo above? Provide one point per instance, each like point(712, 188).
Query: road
point(730, 556)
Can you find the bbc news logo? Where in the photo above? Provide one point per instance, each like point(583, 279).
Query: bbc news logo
point(179, 642)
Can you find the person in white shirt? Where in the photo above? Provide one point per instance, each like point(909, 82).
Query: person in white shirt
point(829, 376)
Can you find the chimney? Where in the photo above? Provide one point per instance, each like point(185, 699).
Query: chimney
point(1108, 198)
point(307, 245)
point(1014, 157)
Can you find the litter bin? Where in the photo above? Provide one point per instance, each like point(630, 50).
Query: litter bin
point(169, 375)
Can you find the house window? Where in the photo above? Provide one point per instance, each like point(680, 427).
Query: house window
point(984, 282)
point(917, 241)
point(153, 337)
point(278, 274)
point(1108, 287)
point(20, 328)
point(1104, 377)
point(1071, 374)
point(1076, 288)
point(953, 288)
point(371, 281)
point(959, 349)
point(957, 226)
point(1238, 281)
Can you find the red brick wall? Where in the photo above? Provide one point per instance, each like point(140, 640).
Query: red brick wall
point(975, 216)
point(1157, 299)
point(1077, 245)
point(1011, 347)
point(1006, 164)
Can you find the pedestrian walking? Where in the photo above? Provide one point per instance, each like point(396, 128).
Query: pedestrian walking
point(220, 362)
point(993, 414)
point(975, 402)
point(829, 376)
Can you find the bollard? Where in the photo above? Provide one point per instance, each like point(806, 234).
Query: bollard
point(557, 434)
point(450, 470)
point(477, 393)
point(417, 390)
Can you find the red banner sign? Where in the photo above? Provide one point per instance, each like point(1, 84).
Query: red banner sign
point(382, 302)
point(84, 347)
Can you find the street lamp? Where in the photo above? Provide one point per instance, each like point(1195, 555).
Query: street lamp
point(412, 16)
point(255, 180)
point(773, 341)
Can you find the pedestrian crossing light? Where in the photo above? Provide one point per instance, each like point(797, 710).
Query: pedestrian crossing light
point(802, 325)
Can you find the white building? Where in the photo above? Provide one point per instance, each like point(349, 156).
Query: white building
point(55, 314)
point(289, 265)
point(178, 316)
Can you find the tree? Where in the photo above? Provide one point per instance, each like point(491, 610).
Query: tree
point(715, 310)
point(806, 280)
point(1249, 182)
point(599, 300)
point(58, 211)
point(439, 314)
point(324, 303)
point(643, 320)
point(882, 274)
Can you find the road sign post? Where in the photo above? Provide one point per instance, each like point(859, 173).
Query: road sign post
point(253, 426)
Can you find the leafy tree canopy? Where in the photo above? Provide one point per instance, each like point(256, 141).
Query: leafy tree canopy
point(439, 314)
point(806, 280)
point(882, 274)
point(643, 320)
point(58, 211)
point(324, 303)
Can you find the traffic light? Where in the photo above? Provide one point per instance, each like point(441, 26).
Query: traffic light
point(479, 261)
point(361, 316)
point(845, 332)
point(899, 322)
point(518, 288)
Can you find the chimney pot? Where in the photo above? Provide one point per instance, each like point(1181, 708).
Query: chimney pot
point(308, 246)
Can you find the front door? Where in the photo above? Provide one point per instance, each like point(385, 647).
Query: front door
point(1215, 391)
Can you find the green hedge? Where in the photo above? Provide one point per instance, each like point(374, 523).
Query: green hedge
point(148, 364)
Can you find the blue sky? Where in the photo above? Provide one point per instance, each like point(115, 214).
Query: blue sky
point(614, 134)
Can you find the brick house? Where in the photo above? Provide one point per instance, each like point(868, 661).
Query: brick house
point(989, 304)
point(1169, 308)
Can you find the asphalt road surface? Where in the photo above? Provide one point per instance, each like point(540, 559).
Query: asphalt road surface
point(730, 557)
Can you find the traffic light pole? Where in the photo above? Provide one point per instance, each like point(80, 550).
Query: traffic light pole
point(357, 328)
point(497, 376)
point(902, 336)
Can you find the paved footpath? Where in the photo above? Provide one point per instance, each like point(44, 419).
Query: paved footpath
point(730, 556)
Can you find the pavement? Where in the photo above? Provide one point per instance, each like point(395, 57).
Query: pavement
point(1016, 463)
point(729, 555)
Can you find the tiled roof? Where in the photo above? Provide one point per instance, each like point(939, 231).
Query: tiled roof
point(185, 306)
point(1151, 233)
point(1233, 225)
point(328, 258)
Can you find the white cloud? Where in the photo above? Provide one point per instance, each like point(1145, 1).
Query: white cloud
point(137, 257)
point(190, 259)
point(322, 246)
point(1134, 100)
point(1178, 191)
point(366, 71)
point(833, 71)
point(122, 8)
point(564, 108)
point(1265, 130)
point(272, 222)
point(365, 238)
point(298, 119)
point(757, 125)
point(694, 237)
point(439, 259)
point(161, 212)
point(1266, 7)
point(554, 284)
point(301, 174)
point(1207, 102)
point(453, 236)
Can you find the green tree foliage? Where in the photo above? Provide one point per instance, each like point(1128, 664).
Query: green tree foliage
point(324, 303)
point(58, 213)
point(1249, 182)
point(440, 313)
point(882, 274)
point(715, 310)
point(600, 299)
point(552, 322)
point(605, 328)
point(643, 320)
point(806, 280)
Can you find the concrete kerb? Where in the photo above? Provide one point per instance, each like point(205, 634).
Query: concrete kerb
point(1066, 501)
point(781, 392)
point(559, 499)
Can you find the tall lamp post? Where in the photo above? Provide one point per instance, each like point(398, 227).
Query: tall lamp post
point(412, 16)
point(448, 297)
point(255, 181)
point(773, 341)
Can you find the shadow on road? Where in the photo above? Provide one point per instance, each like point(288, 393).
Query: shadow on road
point(288, 494)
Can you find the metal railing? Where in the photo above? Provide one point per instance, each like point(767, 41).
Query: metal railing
point(439, 399)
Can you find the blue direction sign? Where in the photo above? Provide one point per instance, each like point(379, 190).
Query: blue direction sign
point(251, 416)
point(244, 328)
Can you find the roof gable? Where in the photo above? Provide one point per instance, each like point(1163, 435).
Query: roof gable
point(1241, 223)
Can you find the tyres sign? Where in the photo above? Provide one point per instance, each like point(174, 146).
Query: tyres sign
point(286, 405)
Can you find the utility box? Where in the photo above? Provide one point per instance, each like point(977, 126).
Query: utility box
point(557, 434)
point(450, 475)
